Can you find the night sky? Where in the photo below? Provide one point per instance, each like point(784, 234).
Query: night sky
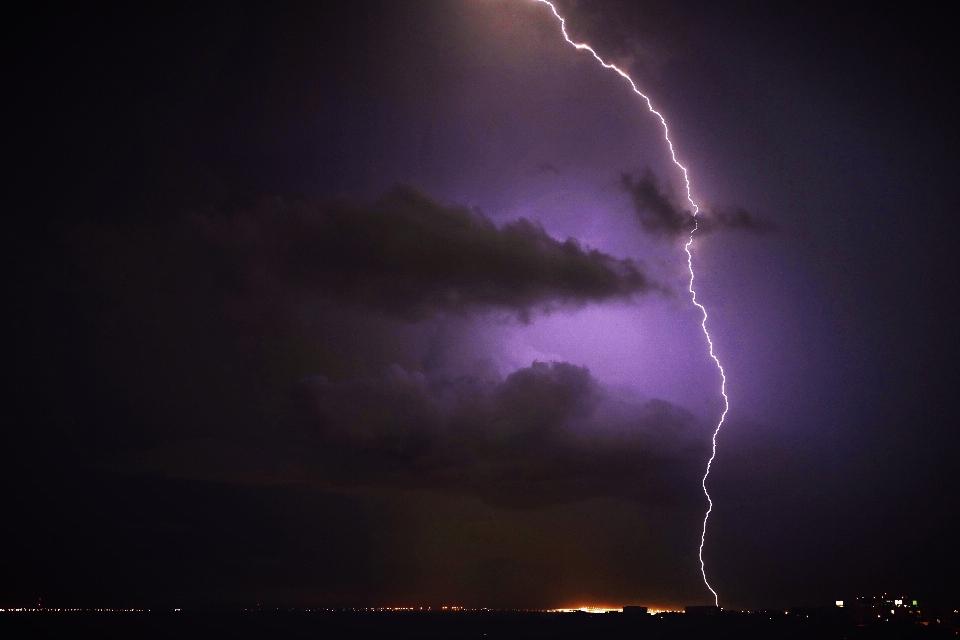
point(385, 303)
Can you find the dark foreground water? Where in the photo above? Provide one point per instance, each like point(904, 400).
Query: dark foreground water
point(188, 625)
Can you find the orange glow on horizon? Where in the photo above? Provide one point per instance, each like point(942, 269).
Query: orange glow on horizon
point(603, 608)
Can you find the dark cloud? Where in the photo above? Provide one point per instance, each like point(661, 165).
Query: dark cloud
point(655, 209)
point(546, 167)
point(224, 311)
point(658, 213)
point(546, 434)
point(242, 319)
point(411, 256)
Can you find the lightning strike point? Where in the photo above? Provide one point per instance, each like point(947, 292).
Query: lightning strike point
point(580, 46)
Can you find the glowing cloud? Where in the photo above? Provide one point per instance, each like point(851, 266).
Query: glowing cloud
point(703, 323)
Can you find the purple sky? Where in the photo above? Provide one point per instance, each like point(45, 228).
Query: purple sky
point(296, 282)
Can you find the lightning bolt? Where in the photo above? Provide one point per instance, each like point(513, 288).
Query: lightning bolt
point(693, 294)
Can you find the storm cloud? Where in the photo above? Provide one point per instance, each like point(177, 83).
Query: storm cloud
point(316, 344)
point(546, 434)
point(411, 256)
point(659, 215)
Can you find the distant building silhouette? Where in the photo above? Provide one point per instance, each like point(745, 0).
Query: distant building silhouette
point(702, 610)
point(634, 609)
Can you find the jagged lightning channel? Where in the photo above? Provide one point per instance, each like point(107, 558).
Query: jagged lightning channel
point(693, 294)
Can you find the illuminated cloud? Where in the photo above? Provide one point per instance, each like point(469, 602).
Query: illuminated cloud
point(411, 256)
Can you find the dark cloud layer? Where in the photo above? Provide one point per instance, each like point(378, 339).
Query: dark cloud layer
point(659, 215)
point(284, 319)
point(225, 311)
point(411, 256)
point(546, 434)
